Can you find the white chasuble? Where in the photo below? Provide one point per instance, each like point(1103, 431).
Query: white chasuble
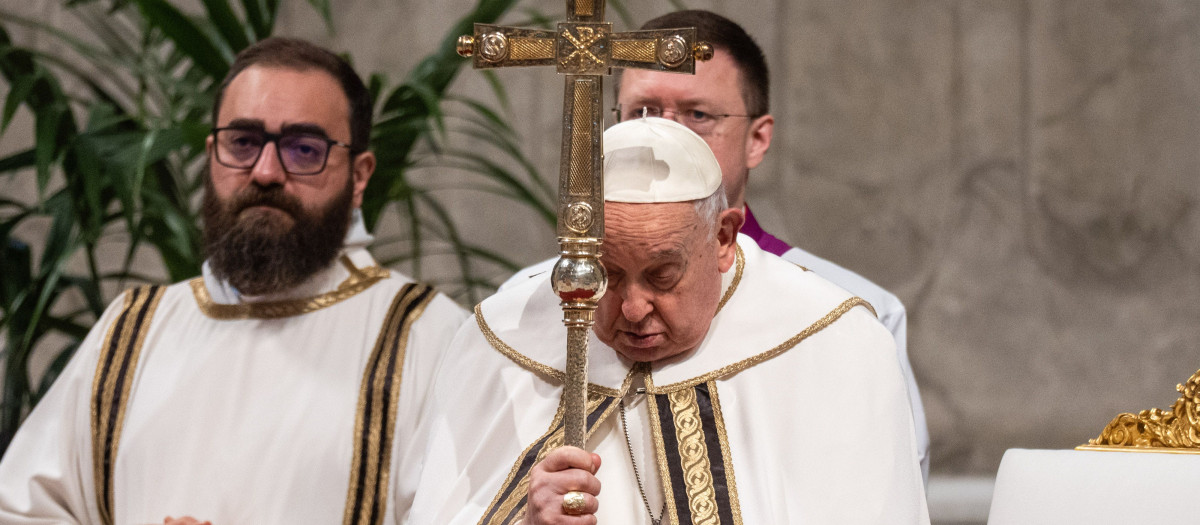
point(793, 409)
point(186, 401)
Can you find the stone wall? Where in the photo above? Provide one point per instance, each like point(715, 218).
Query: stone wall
point(1021, 173)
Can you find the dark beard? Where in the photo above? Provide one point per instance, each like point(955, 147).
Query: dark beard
point(264, 253)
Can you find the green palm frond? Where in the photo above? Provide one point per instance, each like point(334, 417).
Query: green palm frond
point(118, 157)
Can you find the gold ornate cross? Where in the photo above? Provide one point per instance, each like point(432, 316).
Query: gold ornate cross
point(584, 48)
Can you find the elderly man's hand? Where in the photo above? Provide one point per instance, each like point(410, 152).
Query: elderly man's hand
point(563, 470)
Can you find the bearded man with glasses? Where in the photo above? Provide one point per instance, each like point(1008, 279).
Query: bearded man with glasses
point(284, 385)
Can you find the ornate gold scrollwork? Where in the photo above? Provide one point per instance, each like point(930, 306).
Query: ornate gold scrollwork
point(1157, 430)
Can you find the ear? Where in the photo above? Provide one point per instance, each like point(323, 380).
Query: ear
point(728, 225)
point(364, 167)
point(208, 144)
point(758, 139)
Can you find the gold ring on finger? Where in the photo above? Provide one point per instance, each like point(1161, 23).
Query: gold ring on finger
point(573, 503)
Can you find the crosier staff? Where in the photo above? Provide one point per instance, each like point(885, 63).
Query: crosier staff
point(585, 49)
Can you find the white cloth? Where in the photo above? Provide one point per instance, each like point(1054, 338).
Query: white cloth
point(820, 433)
point(893, 316)
point(233, 421)
point(887, 306)
point(1068, 487)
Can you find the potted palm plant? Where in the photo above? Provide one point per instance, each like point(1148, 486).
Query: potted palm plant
point(119, 122)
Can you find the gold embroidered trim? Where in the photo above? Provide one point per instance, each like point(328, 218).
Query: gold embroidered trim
point(560, 376)
point(660, 451)
point(111, 385)
point(734, 368)
point(360, 279)
point(378, 398)
point(735, 506)
point(865, 303)
point(527, 363)
point(693, 457)
point(870, 308)
point(737, 278)
point(551, 439)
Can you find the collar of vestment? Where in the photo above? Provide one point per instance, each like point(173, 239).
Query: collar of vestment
point(769, 309)
point(351, 273)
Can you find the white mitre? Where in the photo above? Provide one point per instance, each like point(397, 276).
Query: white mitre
point(657, 160)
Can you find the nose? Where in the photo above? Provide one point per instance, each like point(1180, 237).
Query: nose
point(636, 303)
point(670, 114)
point(268, 170)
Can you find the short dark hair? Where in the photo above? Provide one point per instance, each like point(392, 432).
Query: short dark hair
point(293, 53)
point(725, 34)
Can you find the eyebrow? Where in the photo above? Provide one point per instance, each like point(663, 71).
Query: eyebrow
point(306, 128)
point(246, 123)
point(658, 101)
point(672, 253)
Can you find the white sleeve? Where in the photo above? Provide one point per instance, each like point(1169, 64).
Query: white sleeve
point(46, 474)
point(528, 272)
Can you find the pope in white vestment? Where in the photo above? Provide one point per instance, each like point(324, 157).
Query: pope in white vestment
point(791, 409)
point(244, 411)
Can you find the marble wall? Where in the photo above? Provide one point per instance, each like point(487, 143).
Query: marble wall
point(1021, 173)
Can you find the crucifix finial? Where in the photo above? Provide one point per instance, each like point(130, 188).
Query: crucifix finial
point(584, 48)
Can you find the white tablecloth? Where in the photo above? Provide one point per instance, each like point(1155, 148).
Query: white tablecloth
point(1093, 487)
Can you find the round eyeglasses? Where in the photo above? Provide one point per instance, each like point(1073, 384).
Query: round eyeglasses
point(299, 153)
point(702, 122)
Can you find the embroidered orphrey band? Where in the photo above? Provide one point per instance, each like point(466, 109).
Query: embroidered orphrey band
point(508, 507)
point(375, 424)
point(110, 387)
point(694, 457)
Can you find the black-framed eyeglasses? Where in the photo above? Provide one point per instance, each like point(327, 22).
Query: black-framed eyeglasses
point(299, 153)
point(702, 122)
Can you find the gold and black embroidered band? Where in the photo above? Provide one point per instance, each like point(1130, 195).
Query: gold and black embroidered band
point(115, 371)
point(508, 506)
point(693, 455)
point(375, 424)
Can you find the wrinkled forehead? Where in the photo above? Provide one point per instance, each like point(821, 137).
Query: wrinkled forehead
point(638, 231)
